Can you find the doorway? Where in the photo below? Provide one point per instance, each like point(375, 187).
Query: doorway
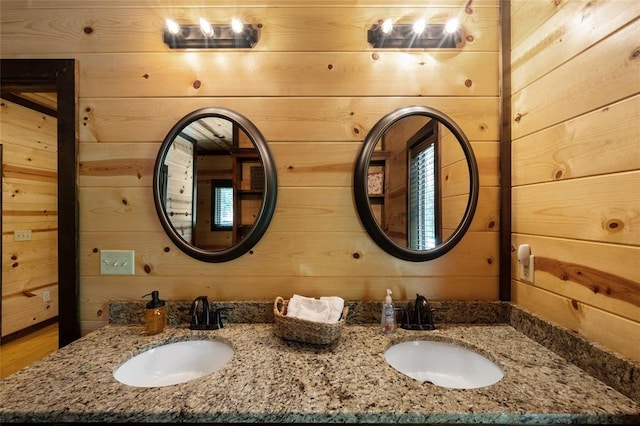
point(57, 76)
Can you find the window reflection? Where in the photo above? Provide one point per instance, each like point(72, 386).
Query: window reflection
point(206, 145)
point(416, 183)
point(406, 182)
point(222, 205)
point(212, 183)
point(423, 233)
point(424, 208)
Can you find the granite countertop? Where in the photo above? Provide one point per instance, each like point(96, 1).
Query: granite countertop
point(270, 380)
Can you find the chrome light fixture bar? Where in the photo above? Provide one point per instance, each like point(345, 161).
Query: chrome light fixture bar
point(205, 35)
point(426, 36)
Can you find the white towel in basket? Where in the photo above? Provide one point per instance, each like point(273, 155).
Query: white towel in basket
point(336, 305)
point(326, 309)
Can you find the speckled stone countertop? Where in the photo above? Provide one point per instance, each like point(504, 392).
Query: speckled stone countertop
point(270, 380)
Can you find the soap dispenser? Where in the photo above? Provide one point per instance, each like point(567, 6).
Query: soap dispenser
point(155, 314)
point(388, 320)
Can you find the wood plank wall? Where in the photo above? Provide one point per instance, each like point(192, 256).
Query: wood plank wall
point(29, 203)
point(314, 88)
point(576, 165)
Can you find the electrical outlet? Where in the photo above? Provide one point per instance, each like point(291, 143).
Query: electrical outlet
point(527, 273)
point(117, 262)
point(46, 296)
point(22, 235)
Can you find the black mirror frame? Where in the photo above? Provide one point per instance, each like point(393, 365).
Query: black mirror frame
point(270, 187)
point(362, 197)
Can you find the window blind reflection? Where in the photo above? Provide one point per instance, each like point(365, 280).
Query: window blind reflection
point(422, 202)
point(223, 211)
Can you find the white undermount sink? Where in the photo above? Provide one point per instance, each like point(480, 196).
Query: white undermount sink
point(443, 364)
point(174, 363)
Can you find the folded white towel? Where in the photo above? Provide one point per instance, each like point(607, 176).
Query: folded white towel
point(294, 304)
point(336, 304)
point(327, 309)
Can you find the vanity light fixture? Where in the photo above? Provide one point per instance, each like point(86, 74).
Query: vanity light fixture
point(419, 35)
point(206, 29)
point(206, 35)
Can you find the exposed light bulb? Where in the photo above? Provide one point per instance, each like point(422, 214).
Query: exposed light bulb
point(387, 26)
point(206, 28)
point(237, 26)
point(419, 26)
point(172, 26)
point(451, 26)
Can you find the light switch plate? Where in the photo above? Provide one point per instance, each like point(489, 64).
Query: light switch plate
point(22, 235)
point(117, 262)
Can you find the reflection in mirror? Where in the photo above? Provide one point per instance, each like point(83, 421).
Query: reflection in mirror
point(416, 183)
point(214, 185)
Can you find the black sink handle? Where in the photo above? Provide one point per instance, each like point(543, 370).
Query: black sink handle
point(217, 317)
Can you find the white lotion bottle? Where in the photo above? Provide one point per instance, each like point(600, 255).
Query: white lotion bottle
point(388, 321)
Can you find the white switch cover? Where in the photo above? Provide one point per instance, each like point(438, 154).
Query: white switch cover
point(117, 262)
point(22, 235)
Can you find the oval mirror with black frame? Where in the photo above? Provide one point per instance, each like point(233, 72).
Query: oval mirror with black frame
point(416, 183)
point(214, 184)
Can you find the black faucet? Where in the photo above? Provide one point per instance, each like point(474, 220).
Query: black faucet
point(202, 318)
point(420, 317)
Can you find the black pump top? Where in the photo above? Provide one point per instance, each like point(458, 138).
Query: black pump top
point(155, 300)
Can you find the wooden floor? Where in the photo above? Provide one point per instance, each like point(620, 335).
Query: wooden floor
point(26, 350)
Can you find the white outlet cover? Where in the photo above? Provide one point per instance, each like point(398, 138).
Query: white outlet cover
point(527, 275)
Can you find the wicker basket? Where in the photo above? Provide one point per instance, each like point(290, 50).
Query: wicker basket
point(300, 330)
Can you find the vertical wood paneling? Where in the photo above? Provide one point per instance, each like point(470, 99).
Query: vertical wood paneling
point(576, 166)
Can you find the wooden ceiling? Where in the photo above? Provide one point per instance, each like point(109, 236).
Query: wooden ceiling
point(210, 134)
point(45, 102)
point(46, 99)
